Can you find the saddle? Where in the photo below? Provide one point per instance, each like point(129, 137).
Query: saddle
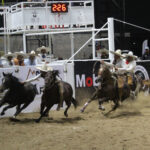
point(122, 79)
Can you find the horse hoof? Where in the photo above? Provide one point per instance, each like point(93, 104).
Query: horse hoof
point(82, 110)
point(66, 114)
point(37, 121)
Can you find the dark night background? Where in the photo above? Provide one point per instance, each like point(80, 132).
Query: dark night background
point(132, 11)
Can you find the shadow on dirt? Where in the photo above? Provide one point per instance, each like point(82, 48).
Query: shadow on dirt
point(47, 120)
point(65, 120)
point(125, 114)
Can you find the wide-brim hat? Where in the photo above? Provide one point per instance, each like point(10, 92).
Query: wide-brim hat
point(130, 54)
point(104, 50)
point(9, 54)
point(32, 53)
point(117, 52)
point(47, 49)
point(21, 53)
point(44, 68)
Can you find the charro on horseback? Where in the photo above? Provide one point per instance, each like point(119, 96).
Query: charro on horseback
point(117, 80)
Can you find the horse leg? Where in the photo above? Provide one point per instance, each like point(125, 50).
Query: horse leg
point(85, 105)
point(5, 108)
point(2, 102)
point(44, 113)
point(116, 102)
point(89, 101)
point(42, 109)
point(20, 109)
point(101, 102)
point(68, 103)
point(17, 109)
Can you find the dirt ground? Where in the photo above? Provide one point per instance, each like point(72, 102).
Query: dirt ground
point(128, 128)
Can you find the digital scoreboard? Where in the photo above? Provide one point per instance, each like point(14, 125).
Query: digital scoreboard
point(59, 7)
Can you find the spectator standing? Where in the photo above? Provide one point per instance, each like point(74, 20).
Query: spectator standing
point(43, 53)
point(31, 61)
point(146, 55)
point(9, 60)
point(19, 60)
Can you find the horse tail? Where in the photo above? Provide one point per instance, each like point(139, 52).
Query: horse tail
point(75, 103)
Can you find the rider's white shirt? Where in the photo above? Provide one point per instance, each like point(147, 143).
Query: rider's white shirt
point(127, 67)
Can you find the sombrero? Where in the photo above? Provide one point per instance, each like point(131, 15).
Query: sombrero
point(9, 54)
point(117, 52)
point(21, 53)
point(130, 54)
point(43, 47)
point(44, 68)
point(32, 53)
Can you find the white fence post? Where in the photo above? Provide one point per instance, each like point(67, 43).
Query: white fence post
point(111, 37)
point(24, 43)
point(93, 44)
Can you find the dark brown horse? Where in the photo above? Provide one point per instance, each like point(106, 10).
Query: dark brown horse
point(18, 94)
point(51, 94)
point(109, 90)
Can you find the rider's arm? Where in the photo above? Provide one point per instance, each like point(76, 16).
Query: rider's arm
point(106, 64)
point(33, 79)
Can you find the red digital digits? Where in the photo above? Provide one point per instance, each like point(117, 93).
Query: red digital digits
point(54, 7)
point(59, 7)
point(64, 7)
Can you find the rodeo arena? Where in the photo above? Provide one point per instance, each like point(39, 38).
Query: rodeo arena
point(64, 85)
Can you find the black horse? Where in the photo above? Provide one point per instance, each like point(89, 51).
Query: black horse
point(51, 94)
point(18, 93)
point(109, 90)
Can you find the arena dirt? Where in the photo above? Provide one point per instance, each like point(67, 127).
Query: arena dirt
point(128, 128)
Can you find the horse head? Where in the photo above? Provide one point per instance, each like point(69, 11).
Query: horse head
point(8, 81)
point(104, 73)
point(51, 78)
